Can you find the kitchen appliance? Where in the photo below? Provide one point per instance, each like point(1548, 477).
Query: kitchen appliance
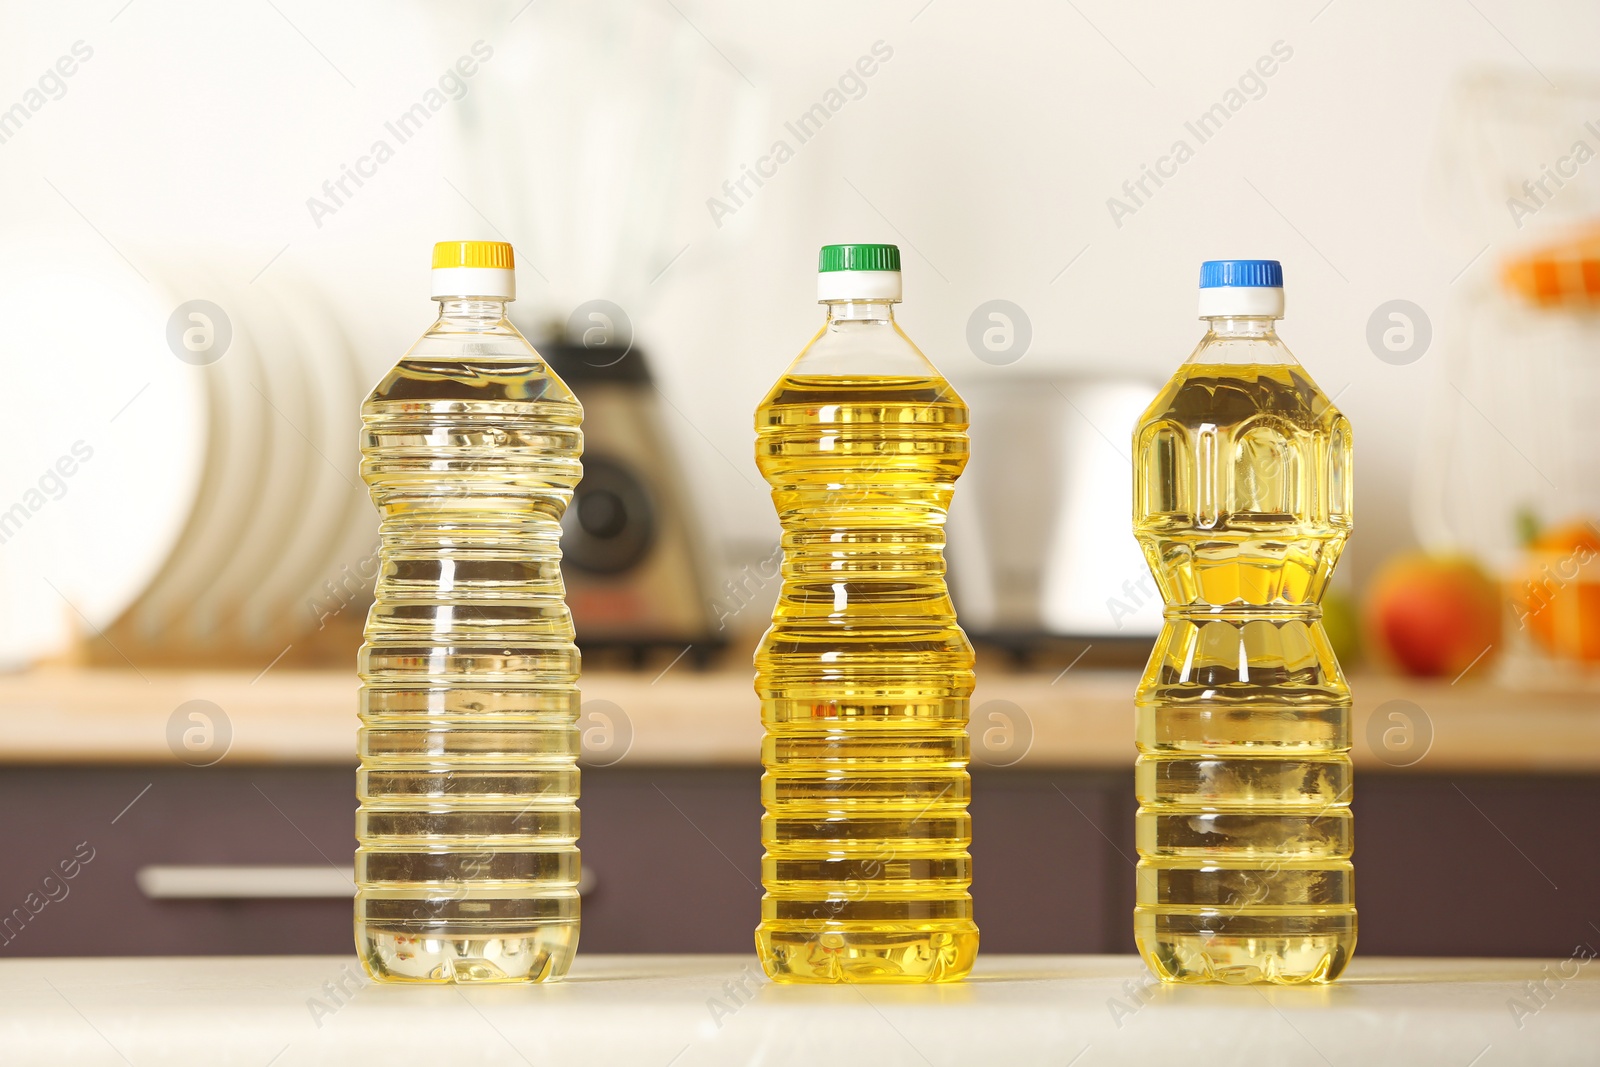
point(633, 553)
point(1039, 547)
point(642, 112)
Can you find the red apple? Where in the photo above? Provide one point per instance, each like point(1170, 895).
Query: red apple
point(1434, 616)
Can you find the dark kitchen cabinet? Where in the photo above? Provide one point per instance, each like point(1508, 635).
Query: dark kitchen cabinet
point(1460, 865)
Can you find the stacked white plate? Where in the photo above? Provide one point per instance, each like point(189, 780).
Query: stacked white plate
point(220, 492)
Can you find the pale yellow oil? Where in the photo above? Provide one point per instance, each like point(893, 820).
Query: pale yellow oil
point(1242, 503)
point(864, 679)
point(467, 869)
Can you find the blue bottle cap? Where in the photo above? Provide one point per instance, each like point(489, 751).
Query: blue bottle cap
point(1241, 274)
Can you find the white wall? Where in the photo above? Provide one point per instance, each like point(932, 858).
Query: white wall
point(987, 146)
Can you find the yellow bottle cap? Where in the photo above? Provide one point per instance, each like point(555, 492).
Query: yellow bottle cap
point(493, 254)
point(464, 269)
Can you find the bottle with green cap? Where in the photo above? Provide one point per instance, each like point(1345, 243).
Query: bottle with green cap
point(864, 676)
point(467, 869)
point(1242, 504)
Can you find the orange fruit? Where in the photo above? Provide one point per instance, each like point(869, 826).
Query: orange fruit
point(1556, 594)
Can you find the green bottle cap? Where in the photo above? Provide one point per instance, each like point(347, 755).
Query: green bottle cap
point(858, 257)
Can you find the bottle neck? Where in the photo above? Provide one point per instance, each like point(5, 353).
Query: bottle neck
point(470, 313)
point(1241, 327)
point(859, 310)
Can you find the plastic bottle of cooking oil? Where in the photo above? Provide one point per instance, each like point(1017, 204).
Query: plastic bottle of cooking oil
point(467, 869)
point(864, 676)
point(1242, 503)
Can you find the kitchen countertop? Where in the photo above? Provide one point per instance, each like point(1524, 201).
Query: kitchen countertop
point(652, 1011)
point(1080, 719)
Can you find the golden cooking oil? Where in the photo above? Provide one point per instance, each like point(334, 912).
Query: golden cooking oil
point(864, 676)
point(467, 869)
point(1242, 504)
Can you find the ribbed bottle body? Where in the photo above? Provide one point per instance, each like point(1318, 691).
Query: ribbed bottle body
point(864, 680)
point(467, 867)
point(1242, 503)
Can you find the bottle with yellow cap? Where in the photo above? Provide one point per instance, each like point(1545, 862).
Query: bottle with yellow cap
point(467, 869)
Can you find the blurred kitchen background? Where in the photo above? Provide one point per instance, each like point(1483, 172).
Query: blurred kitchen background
point(218, 236)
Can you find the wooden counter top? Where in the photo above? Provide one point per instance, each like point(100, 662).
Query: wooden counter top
point(1081, 720)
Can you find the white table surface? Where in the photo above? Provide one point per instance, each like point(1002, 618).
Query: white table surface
point(656, 1011)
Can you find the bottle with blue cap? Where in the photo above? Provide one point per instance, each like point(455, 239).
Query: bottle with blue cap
point(1242, 504)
